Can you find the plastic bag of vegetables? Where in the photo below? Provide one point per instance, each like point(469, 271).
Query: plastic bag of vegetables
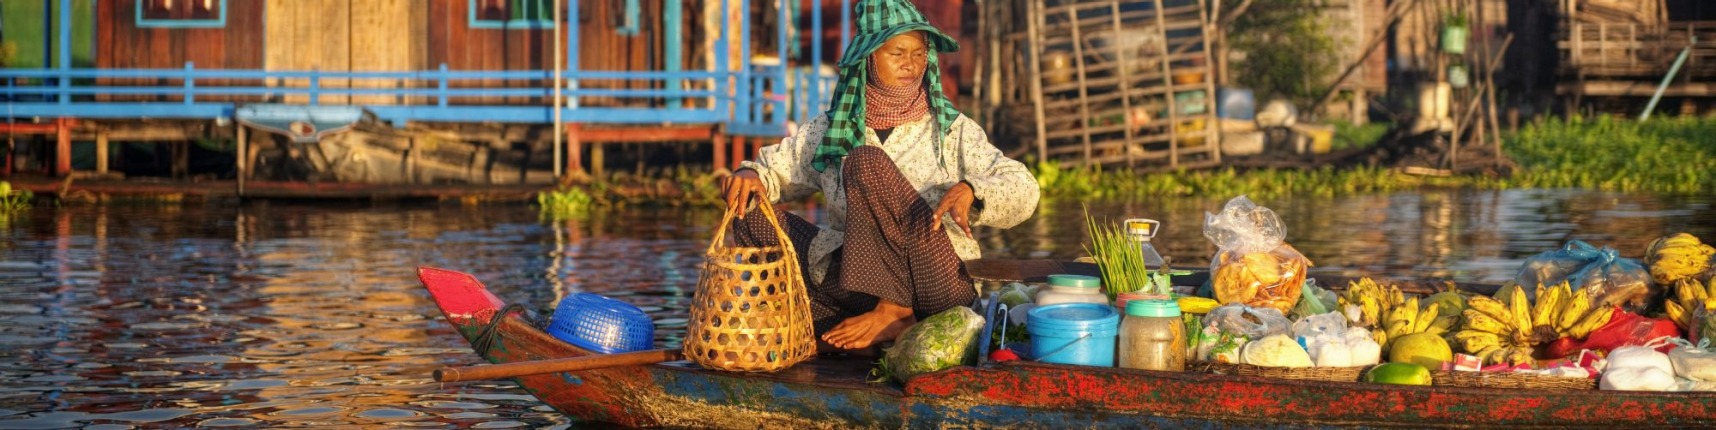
point(1254, 265)
point(941, 341)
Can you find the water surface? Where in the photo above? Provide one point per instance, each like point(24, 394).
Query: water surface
point(310, 315)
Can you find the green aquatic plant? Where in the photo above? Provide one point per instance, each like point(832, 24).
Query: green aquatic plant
point(564, 203)
point(13, 201)
point(1667, 154)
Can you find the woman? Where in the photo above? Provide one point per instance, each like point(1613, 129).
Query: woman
point(889, 146)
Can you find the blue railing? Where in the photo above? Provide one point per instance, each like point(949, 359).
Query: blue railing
point(755, 99)
point(430, 95)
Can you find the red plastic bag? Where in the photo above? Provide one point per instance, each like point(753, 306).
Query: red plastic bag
point(1627, 328)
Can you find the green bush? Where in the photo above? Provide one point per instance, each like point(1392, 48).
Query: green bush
point(564, 203)
point(13, 201)
point(1670, 154)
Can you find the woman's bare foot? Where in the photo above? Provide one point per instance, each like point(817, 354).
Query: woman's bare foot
point(882, 324)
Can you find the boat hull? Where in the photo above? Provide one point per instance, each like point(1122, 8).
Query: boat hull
point(832, 393)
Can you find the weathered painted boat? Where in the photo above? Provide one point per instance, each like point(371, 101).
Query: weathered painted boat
point(831, 392)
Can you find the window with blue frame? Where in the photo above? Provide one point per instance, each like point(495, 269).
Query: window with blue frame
point(181, 13)
point(512, 14)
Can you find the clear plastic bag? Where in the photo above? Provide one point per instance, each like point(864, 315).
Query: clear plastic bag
point(1253, 323)
point(941, 341)
point(1611, 278)
point(1314, 300)
point(1253, 264)
point(1331, 326)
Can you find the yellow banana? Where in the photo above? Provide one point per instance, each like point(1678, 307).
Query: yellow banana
point(1371, 310)
point(1495, 355)
point(1678, 315)
point(1426, 317)
point(1596, 319)
point(1521, 307)
point(1474, 340)
point(1381, 338)
point(1443, 323)
point(1548, 303)
point(1575, 308)
point(1477, 320)
point(1409, 313)
point(1489, 307)
point(1520, 356)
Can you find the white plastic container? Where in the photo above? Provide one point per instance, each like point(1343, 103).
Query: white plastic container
point(1072, 289)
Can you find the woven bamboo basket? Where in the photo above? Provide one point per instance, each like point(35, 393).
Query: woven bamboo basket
point(1330, 374)
point(1509, 380)
point(751, 312)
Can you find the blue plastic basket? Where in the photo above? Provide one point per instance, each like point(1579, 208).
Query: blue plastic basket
point(601, 324)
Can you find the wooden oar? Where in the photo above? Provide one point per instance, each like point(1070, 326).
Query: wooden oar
point(572, 364)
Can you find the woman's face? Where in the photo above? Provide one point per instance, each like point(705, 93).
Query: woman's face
point(901, 60)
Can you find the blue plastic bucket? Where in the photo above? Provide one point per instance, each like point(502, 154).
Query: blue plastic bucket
point(1074, 333)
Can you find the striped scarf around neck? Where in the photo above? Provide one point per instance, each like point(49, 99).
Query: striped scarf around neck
point(888, 106)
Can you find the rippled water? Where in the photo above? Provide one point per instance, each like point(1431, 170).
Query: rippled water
point(294, 315)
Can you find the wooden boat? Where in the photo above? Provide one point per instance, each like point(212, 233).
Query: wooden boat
point(832, 391)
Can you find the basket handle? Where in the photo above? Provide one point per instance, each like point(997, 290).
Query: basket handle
point(768, 211)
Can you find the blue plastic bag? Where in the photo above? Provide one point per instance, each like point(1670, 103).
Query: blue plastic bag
point(1611, 278)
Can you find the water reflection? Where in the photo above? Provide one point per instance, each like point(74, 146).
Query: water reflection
point(271, 315)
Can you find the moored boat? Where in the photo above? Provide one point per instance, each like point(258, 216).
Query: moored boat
point(832, 392)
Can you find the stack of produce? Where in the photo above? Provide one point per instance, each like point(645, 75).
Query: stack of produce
point(1367, 304)
point(1691, 306)
point(1415, 335)
point(1505, 328)
point(1677, 257)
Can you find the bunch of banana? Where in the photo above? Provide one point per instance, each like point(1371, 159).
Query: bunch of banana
point(1692, 302)
point(1560, 312)
point(1677, 257)
point(1503, 328)
point(1409, 318)
point(1368, 305)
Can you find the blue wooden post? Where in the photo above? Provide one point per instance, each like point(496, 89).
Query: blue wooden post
point(65, 51)
point(672, 19)
point(190, 84)
point(845, 25)
point(744, 90)
point(781, 85)
point(723, 103)
point(315, 86)
point(815, 61)
point(441, 87)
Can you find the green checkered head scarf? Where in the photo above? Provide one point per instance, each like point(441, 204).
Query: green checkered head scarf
point(879, 20)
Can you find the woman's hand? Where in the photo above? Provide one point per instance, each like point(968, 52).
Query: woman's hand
point(739, 188)
point(956, 202)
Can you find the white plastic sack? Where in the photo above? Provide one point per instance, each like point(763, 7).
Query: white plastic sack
point(1638, 368)
point(1332, 354)
point(1638, 379)
point(1693, 363)
point(1639, 356)
point(1366, 352)
point(1275, 351)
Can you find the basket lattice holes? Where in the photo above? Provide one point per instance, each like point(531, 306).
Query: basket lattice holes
point(750, 314)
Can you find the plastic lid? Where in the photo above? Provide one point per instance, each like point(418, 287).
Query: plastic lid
point(1079, 281)
point(1152, 308)
point(1075, 316)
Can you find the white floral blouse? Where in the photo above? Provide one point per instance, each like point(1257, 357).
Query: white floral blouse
point(1005, 188)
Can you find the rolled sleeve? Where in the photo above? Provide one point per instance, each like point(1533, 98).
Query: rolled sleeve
point(785, 167)
point(1005, 187)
